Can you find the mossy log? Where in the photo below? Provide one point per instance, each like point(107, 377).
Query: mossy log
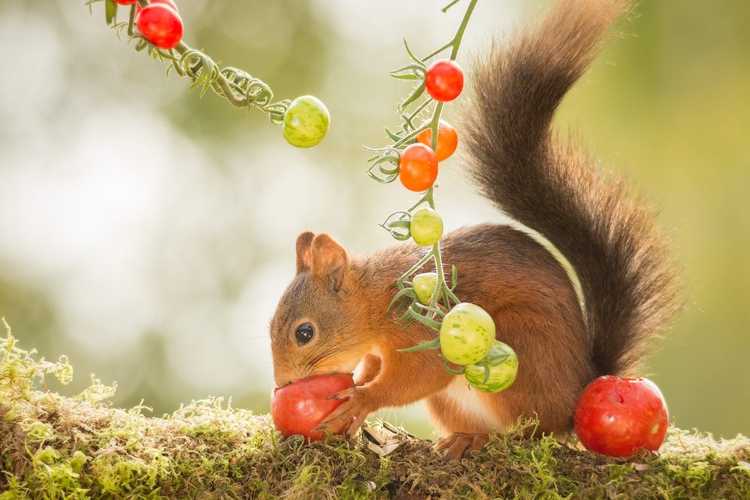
point(52, 446)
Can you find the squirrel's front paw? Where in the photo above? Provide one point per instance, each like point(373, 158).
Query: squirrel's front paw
point(351, 414)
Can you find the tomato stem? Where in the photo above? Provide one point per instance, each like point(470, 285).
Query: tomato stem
point(443, 297)
point(238, 87)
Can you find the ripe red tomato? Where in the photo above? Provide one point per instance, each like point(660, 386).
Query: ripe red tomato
point(168, 3)
point(126, 2)
point(161, 25)
point(444, 80)
point(298, 408)
point(418, 167)
point(447, 140)
point(619, 416)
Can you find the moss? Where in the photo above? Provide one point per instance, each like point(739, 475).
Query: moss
point(52, 446)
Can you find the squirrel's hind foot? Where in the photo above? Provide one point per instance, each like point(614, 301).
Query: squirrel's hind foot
point(458, 444)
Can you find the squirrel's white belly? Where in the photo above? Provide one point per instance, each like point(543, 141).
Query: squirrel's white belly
point(471, 402)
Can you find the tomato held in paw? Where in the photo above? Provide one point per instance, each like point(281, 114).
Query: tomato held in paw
point(418, 167)
point(306, 122)
point(618, 416)
point(160, 25)
point(424, 286)
point(426, 227)
point(447, 140)
point(444, 80)
point(496, 372)
point(466, 334)
point(298, 408)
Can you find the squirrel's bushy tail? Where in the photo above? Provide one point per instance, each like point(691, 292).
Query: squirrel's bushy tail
point(609, 238)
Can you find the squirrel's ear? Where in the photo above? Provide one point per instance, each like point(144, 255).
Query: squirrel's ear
point(329, 260)
point(304, 259)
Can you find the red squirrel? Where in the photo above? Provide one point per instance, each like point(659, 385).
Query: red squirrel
point(334, 313)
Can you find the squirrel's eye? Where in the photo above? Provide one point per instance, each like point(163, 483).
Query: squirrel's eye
point(304, 333)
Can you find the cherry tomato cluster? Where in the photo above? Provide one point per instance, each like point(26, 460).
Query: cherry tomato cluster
point(465, 332)
point(418, 163)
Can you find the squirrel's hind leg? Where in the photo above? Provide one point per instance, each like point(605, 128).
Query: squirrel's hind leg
point(461, 415)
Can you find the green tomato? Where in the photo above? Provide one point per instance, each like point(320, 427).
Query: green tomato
point(426, 227)
point(502, 364)
point(306, 122)
point(424, 286)
point(466, 334)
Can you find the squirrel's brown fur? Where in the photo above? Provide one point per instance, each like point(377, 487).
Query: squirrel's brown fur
point(545, 184)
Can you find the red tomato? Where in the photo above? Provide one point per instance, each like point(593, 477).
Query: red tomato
point(444, 80)
point(418, 167)
point(298, 408)
point(167, 3)
point(619, 416)
point(447, 140)
point(126, 2)
point(161, 25)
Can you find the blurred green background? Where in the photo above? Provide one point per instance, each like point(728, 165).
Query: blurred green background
point(147, 233)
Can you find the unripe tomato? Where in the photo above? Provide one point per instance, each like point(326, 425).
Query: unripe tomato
point(424, 286)
point(447, 140)
point(426, 227)
point(466, 334)
point(502, 363)
point(618, 416)
point(160, 25)
point(444, 80)
point(167, 3)
point(298, 408)
point(418, 167)
point(306, 122)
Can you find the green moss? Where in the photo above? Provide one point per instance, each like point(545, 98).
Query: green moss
point(52, 446)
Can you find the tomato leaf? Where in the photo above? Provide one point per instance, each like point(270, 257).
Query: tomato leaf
point(486, 374)
point(411, 54)
point(427, 345)
point(394, 137)
point(110, 11)
point(450, 369)
point(406, 292)
point(410, 72)
point(428, 322)
point(413, 97)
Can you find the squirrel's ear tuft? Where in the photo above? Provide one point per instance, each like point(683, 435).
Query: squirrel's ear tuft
point(329, 260)
point(304, 259)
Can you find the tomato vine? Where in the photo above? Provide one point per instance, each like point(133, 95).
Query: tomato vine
point(430, 298)
point(238, 87)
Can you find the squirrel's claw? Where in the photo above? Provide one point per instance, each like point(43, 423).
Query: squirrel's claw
point(342, 395)
point(458, 444)
point(350, 414)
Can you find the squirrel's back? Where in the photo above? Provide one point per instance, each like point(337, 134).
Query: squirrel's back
point(554, 188)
